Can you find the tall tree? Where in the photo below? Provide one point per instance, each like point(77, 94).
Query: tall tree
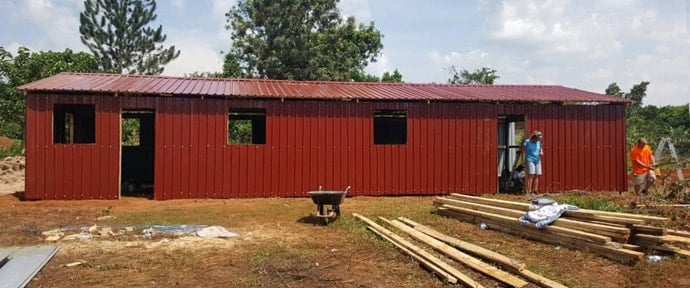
point(480, 76)
point(390, 77)
point(25, 67)
point(394, 77)
point(300, 40)
point(118, 33)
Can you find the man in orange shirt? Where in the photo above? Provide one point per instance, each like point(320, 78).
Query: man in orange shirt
point(643, 166)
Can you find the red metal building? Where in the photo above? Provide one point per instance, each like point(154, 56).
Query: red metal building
point(232, 138)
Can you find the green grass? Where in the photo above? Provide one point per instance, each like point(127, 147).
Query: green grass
point(14, 150)
point(589, 202)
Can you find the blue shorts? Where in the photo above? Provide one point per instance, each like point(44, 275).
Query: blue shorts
point(533, 168)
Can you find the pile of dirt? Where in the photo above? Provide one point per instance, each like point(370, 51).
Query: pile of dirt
point(12, 175)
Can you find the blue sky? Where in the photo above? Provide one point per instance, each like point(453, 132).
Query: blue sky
point(580, 44)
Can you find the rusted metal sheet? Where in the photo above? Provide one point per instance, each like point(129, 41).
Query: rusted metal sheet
point(451, 147)
point(262, 88)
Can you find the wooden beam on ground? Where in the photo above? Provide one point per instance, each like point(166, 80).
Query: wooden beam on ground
point(617, 254)
point(428, 264)
point(581, 213)
point(507, 262)
point(678, 233)
point(646, 229)
point(617, 234)
point(461, 257)
point(446, 267)
point(512, 221)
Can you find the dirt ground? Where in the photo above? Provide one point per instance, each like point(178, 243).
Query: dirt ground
point(11, 175)
point(279, 246)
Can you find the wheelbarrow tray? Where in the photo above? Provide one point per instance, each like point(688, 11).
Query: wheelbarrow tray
point(327, 197)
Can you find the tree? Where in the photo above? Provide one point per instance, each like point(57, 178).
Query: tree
point(394, 77)
point(25, 67)
point(299, 40)
point(231, 67)
point(117, 33)
point(650, 121)
point(480, 76)
point(361, 76)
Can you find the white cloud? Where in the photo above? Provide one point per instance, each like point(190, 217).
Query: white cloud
point(219, 8)
point(200, 52)
point(591, 45)
point(356, 8)
point(178, 4)
point(380, 66)
point(55, 23)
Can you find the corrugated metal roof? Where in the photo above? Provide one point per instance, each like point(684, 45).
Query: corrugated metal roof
point(262, 88)
point(23, 264)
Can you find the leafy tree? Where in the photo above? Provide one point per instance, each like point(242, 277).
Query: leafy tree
point(653, 122)
point(480, 76)
point(231, 67)
point(25, 67)
point(394, 77)
point(117, 33)
point(361, 76)
point(300, 40)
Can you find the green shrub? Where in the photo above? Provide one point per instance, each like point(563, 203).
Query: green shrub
point(14, 150)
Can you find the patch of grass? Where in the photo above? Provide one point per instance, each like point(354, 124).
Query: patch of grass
point(260, 256)
point(14, 150)
point(588, 202)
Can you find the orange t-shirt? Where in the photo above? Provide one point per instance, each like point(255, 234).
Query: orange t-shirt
point(644, 155)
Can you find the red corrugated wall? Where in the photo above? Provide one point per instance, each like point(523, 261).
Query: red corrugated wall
point(451, 147)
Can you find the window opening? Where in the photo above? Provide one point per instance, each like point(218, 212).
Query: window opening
point(247, 126)
point(390, 127)
point(74, 123)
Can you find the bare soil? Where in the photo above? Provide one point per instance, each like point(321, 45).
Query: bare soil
point(280, 246)
point(12, 175)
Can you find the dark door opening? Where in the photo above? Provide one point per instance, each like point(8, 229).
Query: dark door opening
point(511, 133)
point(137, 162)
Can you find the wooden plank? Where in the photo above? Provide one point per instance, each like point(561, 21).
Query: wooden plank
point(459, 256)
point(678, 233)
point(615, 217)
point(507, 262)
point(621, 255)
point(446, 267)
point(552, 230)
point(428, 264)
point(617, 234)
point(650, 230)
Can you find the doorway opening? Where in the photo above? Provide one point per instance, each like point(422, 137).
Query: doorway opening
point(511, 172)
point(137, 162)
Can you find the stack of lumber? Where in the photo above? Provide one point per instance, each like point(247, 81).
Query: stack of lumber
point(513, 275)
point(622, 237)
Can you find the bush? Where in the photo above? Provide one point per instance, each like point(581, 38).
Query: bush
point(14, 150)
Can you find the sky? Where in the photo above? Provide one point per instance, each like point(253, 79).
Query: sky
point(579, 44)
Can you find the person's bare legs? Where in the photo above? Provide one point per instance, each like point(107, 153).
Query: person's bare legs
point(528, 183)
point(535, 184)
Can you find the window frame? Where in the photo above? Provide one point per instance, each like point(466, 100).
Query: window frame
point(383, 118)
point(257, 120)
point(80, 129)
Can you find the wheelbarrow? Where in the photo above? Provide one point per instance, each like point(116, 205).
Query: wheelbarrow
point(328, 203)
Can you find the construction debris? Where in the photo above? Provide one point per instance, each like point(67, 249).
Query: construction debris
point(88, 233)
point(621, 237)
point(21, 264)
